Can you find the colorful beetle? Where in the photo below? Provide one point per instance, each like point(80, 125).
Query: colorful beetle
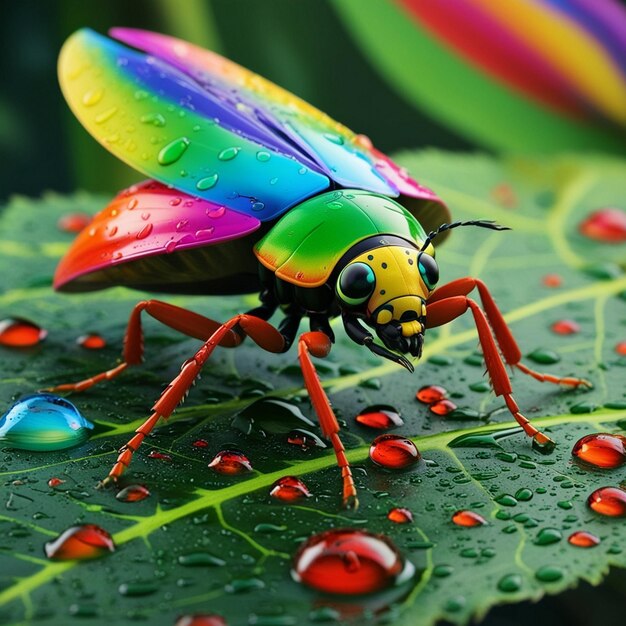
point(246, 165)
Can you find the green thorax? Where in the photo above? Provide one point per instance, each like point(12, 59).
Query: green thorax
point(308, 241)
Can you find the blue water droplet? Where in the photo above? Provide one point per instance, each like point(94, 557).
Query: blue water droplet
point(43, 422)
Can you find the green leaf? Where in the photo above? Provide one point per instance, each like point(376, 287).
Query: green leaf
point(207, 543)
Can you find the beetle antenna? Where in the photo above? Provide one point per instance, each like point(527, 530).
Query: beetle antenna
point(445, 227)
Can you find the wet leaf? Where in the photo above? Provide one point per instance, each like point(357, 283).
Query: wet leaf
point(211, 543)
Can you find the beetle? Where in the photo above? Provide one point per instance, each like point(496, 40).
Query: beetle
point(252, 189)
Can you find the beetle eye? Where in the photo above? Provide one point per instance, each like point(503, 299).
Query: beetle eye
point(356, 283)
point(429, 270)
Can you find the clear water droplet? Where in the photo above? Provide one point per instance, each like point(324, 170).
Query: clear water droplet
point(173, 151)
point(155, 119)
point(207, 182)
point(263, 156)
point(228, 154)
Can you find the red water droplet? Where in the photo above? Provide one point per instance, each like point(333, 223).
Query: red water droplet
point(468, 519)
point(601, 450)
point(583, 539)
point(132, 493)
point(17, 332)
point(620, 348)
point(350, 562)
point(73, 222)
point(55, 482)
point(145, 231)
point(504, 195)
point(380, 417)
point(394, 452)
point(443, 407)
point(200, 620)
point(608, 225)
point(80, 542)
point(289, 488)
point(230, 462)
point(400, 516)
point(200, 443)
point(609, 501)
point(552, 280)
point(155, 454)
point(565, 327)
point(304, 439)
point(431, 393)
point(93, 341)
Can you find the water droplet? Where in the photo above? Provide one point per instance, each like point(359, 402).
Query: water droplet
point(324, 614)
point(431, 393)
point(160, 456)
point(468, 519)
point(336, 139)
point(156, 119)
point(87, 541)
point(601, 450)
point(145, 216)
point(200, 559)
point(258, 206)
point(55, 482)
point(289, 489)
point(504, 195)
point(394, 452)
point(138, 589)
point(524, 494)
point(443, 407)
point(350, 562)
point(548, 536)
point(400, 515)
point(544, 356)
point(173, 151)
point(565, 327)
point(105, 116)
point(73, 222)
point(145, 231)
point(480, 386)
point(17, 332)
point(92, 341)
point(200, 443)
point(228, 154)
point(380, 417)
point(132, 203)
point(200, 620)
point(92, 97)
point(273, 181)
point(552, 280)
point(230, 462)
point(207, 182)
point(608, 501)
point(263, 156)
point(267, 529)
point(583, 539)
point(620, 348)
point(549, 574)
point(43, 422)
point(304, 439)
point(170, 246)
point(216, 212)
point(510, 583)
point(443, 571)
point(454, 605)
point(132, 493)
point(506, 500)
point(608, 225)
point(175, 201)
point(242, 585)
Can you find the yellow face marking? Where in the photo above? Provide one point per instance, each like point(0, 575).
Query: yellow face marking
point(384, 317)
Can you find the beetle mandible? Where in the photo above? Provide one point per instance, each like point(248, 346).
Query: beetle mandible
point(245, 164)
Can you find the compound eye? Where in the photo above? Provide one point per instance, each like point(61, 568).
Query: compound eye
point(429, 270)
point(356, 283)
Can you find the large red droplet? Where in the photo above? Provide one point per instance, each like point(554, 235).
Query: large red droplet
point(601, 450)
point(620, 348)
point(431, 393)
point(80, 542)
point(468, 519)
point(230, 462)
point(552, 280)
point(92, 341)
point(394, 452)
point(380, 417)
point(609, 501)
point(442, 407)
point(565, 327)
point(289, 489)
point(583, 539)
point(16, 332)
point(132, 493)
point(73, 222)
point(350, 562)
point(608, 225)
point(200, 620)
point(400, 515)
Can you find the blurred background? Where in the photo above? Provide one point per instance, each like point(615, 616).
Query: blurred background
point(544, 76)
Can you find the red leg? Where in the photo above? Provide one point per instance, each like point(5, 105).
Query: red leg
point(508, 346)
point(318, 344)
point(444, 311)
point(261, 332)
point(187, 322)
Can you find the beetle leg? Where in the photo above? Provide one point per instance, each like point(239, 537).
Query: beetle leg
point(445, 310)
point(508, 346)
point(262, 333)
point(187, 322)
point(318, 344)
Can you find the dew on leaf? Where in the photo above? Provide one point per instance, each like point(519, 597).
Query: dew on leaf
point(379, 417)
point(87, 541)
point(55, 482)
point(524, 494)
point(173, 151)
point(200, 559)
point(431, 393)
point(548, 536)
point(549, 574)
point(350, 562)
point(132, 493)
point(552, 280)
point(510, 583)
point(200, 443)
point(602, 450)
point(506, 500)
point(138, 588)
point(583, 539)
point(620, 348)
point(607, 225)
point(565, 327)
point(468, 519)
point(608, 501)
point(393, 452)
point(17, 332)
point(544, 356)
point(200, 620)
point(442, 571)
point(400, 515)
point(304, 439)
point(289, 489)
point(161, 456)
point(92, 341)
point(43, 422)
point(442, 407)
point(230, 462)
